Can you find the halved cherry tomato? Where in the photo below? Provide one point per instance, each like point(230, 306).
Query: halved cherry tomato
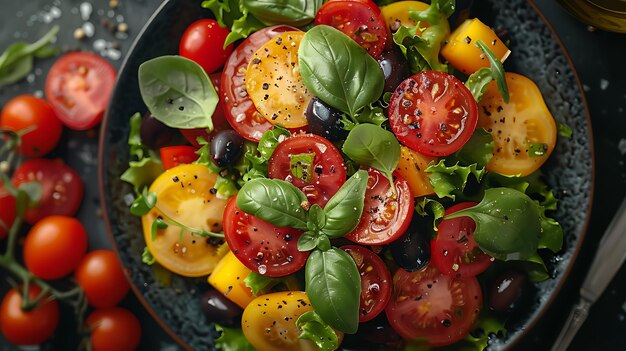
point(203, 42)
point(28, 327)
point(329, 172)
point(412, 166)
point(375, 281)
point(454, 251)
point(172, 156)
point(274, 83)
point(35, 119)
point(79, 87)
point(101, 276)
point(54, 247)
point(360, 20)
point(238, 107)
point(433, 113)
point(61, 188)
point(219, 118)
point(8, 213)
point(114, 329)
point(185, 194)
point(517, 126)
point(269, 322)
point(261, 246)
point(385, 216)
point(432, 307)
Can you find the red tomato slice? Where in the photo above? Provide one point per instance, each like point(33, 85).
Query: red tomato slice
point(203, 42)
point(219, 119)
point(261, 246)
point(430, 306)
point(375, 281)
point(455, 251)
point(79, 87)
point(172, 156)
point(329, 172)
point(385, 217)
point(238, 107)
point(360, 20)
point(433, 113)
point(62, 188)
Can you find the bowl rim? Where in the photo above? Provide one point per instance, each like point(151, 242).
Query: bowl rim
point(511, 343)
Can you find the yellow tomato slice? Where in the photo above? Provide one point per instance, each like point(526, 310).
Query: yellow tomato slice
point(227, 278)
point(397, 14)
point(517, 126)
point(184, 196)
point(274, 83)
point(269, 322)
point(411, 167)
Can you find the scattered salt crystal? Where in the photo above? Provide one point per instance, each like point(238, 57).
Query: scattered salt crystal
point(30, 78)
point(621, 146)
point(99, 44)
point(85, 10)
point(604, 84)
point(119, 18)
point(128, 199)
point(89, 29)
point(111, 13)
point(586, 88)
point(55, 12)
point(114, 54)
point(38, 93)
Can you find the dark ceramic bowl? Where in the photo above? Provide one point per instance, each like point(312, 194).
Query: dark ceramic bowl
point(537, 53)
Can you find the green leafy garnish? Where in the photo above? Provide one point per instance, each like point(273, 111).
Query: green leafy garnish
point(564, 130)
point(315, 329)
point(232, 339)
point(146, 257)
point(178, 92)
point(477, 82)
point(143, 203)
point(142, 173)
point(158, 223)
point(537, 149)
point(301, 166)
point(429, 207)
point(343, 210)
point(450, 181)
point(262, 284)
point(234, 15)
point(291, 12)
point(478, 150)
point(16, 62)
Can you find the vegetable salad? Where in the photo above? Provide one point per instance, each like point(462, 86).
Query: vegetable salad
point(347, 174)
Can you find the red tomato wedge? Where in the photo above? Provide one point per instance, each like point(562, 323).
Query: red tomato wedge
point(172, 156)
point(261, 246)
point(360, 20)
point(385, 216)
point(238, 107)
point(79, 87)
point(455, 251)
point(375, 281)
point(329, 172)
point(432, 307)
point(433, 113)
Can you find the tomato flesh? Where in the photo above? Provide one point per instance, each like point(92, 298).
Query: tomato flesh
point(429, 306)
point(329, 172)
point(455, 251)
point(238, 107)
point(385, 216)
point(261, 246)
point(375, 281)
point(79, 87)
point(62, 188)
point(433, 113)
point(203, 42)
point(360, 20)
point(172, 156)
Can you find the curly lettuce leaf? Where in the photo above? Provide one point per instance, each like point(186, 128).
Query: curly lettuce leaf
point(232, 339)
point(450, 181)
point(234, 15)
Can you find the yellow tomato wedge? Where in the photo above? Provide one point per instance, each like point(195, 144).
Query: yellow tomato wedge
point(462, 52)
point(274, 83)
point(520, 126)
point(227, 278)
point(269, 322)
point(411, 167)
point(184, 196)
point(397, 14)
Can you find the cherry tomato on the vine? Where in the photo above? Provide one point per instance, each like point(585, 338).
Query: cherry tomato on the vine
point(7, 215)
point(28, 327)
point(36, 121)
point(61, 187)
point(114, 329)
point(203, 42)
point(79, 87)
point(101, 276)
point(54, 247)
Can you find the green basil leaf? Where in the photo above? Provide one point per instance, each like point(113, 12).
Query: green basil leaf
point(478, 149)
point(373, 146)
point(315, 329)
point(16, 62)
point(301, 166)
point(232, 339)
point(508, 224)
point(142, 173)
point(372, 114)
point(17, 71)
point(429, 207)
point(343, 210)
point(178, 92)
point(308, 241)
point(317, 218)
point(333, 285)
point(497, 70)
point(450, 181)
point(338, 70)
point(292, 12)
point(275, 201)
point(146, 257)
point(478, 82)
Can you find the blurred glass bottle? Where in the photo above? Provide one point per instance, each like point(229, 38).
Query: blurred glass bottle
point(607, 15)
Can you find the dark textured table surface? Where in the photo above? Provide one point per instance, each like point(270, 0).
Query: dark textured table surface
point(597, 56)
